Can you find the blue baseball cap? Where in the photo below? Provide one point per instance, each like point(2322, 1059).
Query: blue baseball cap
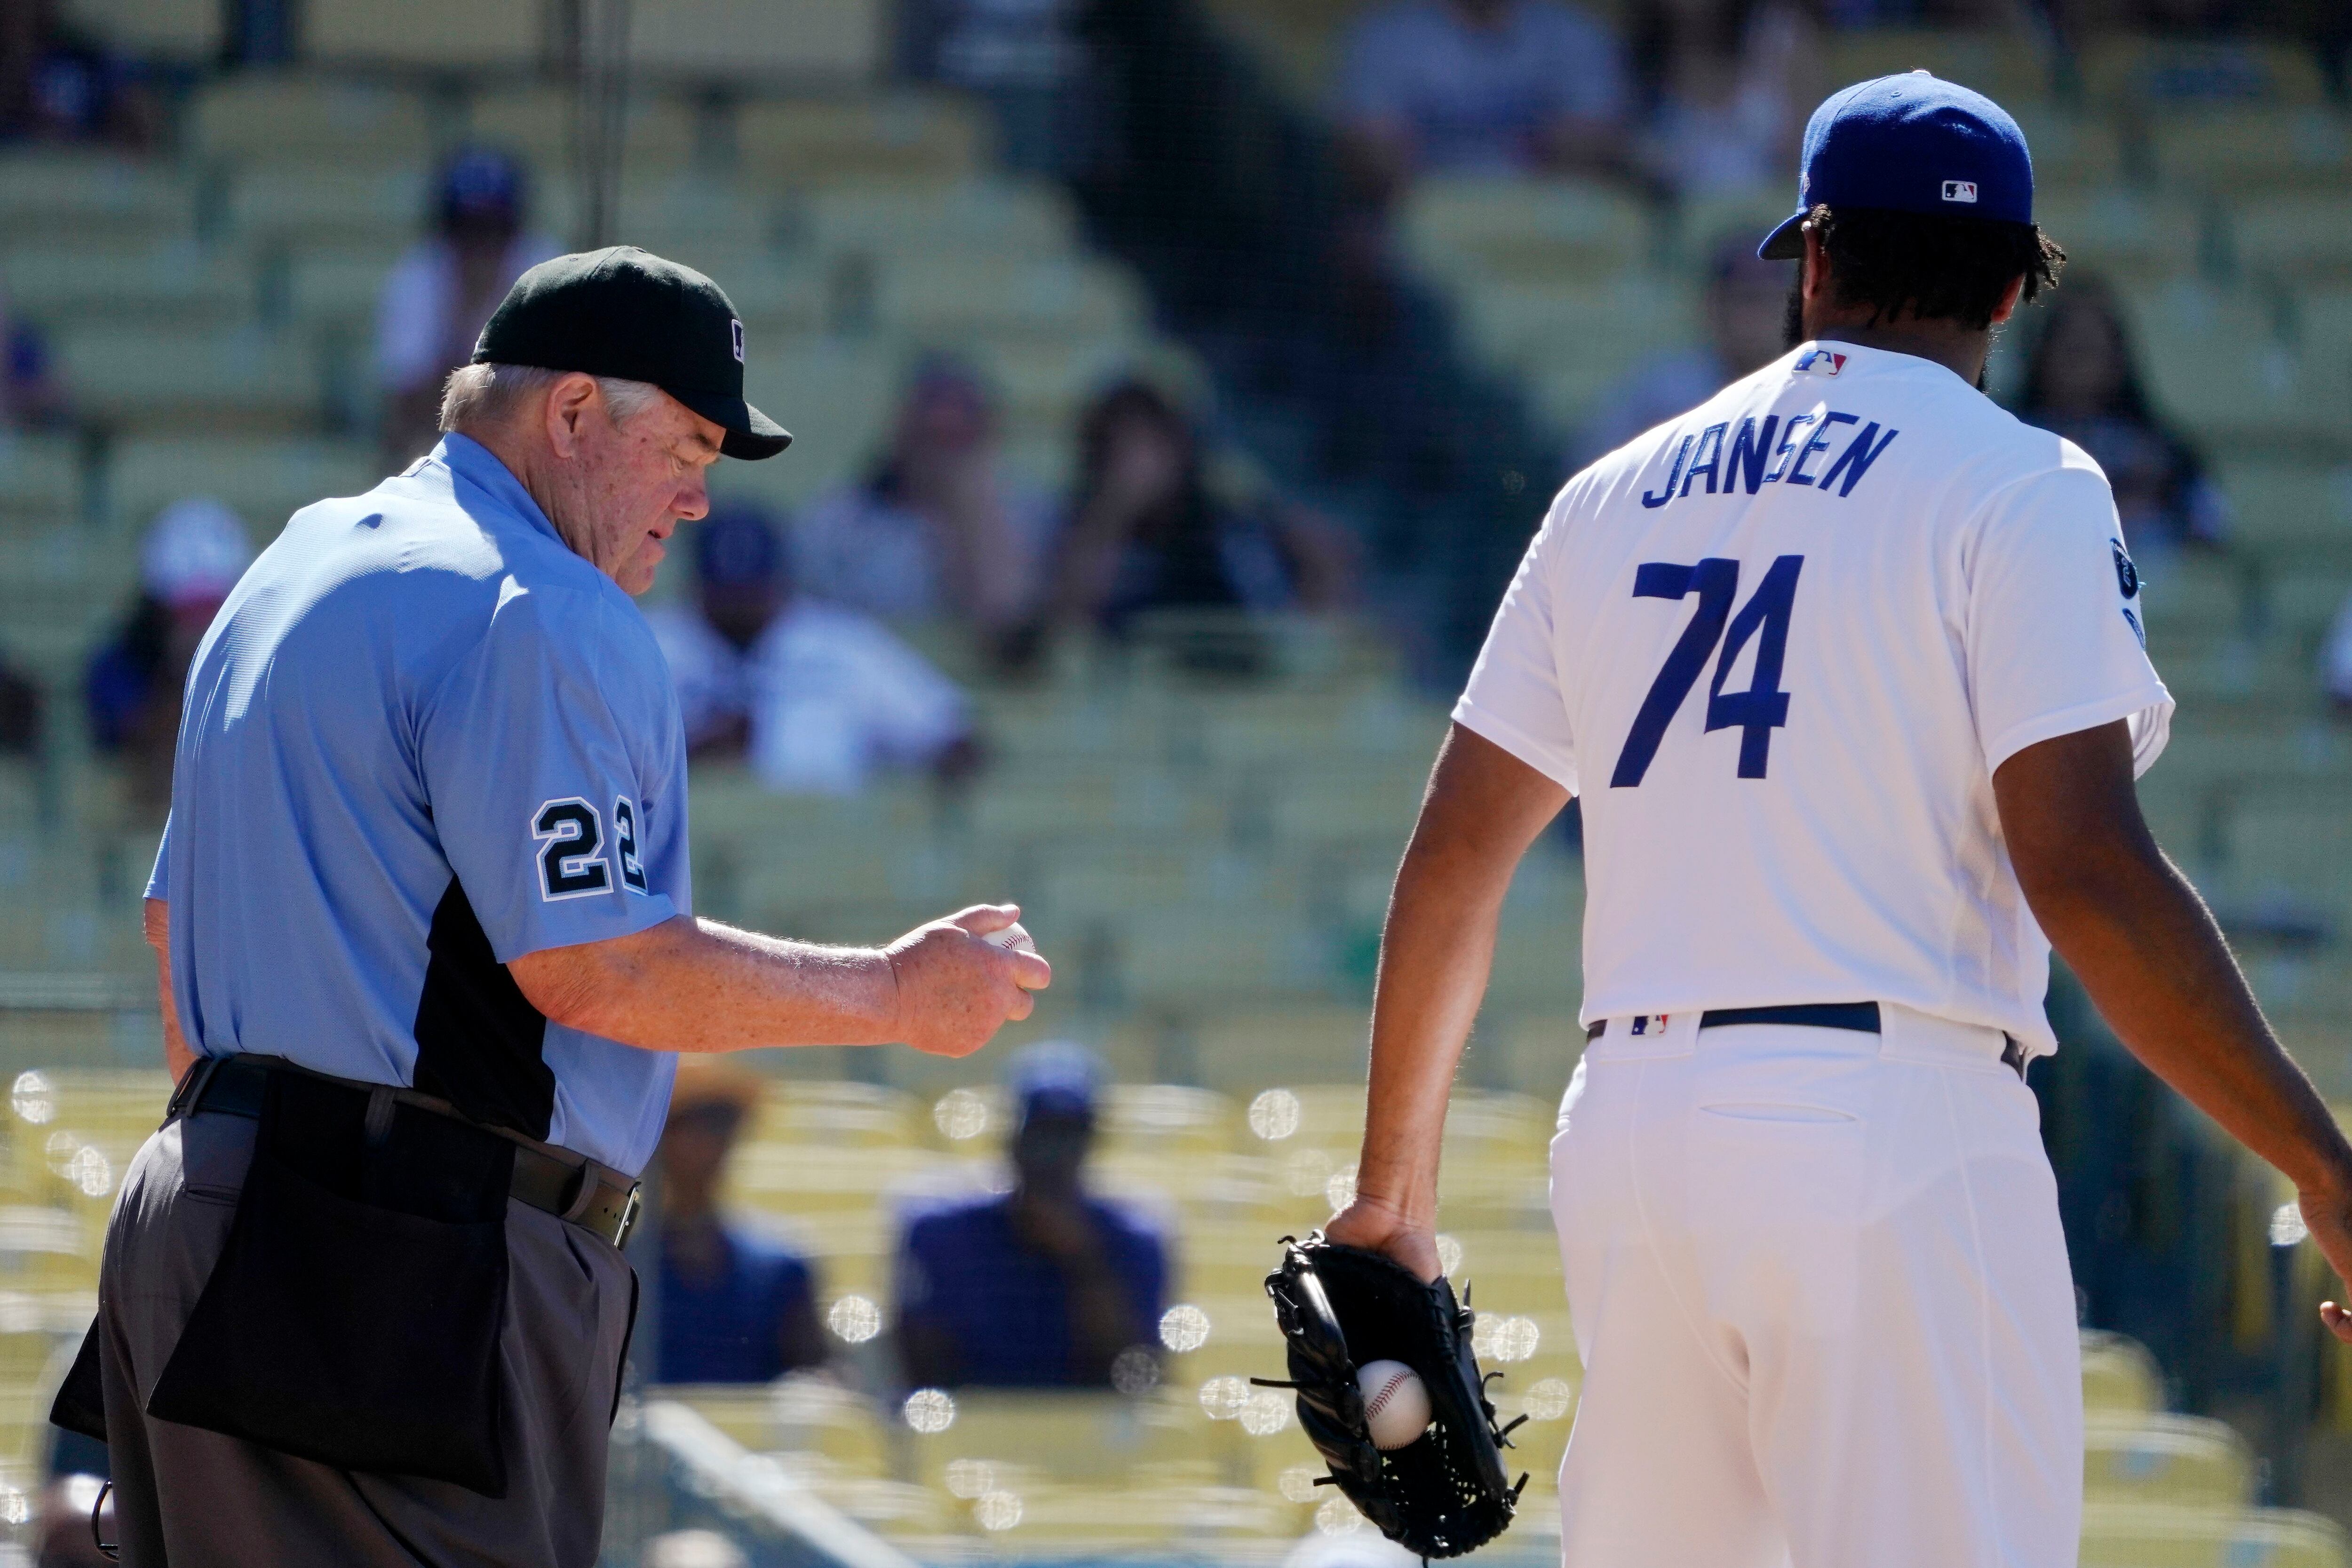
point(1055, 1077)
point(736, 547)
point(1911, 143)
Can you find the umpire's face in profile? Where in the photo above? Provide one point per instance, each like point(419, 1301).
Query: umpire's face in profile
point(616, 489)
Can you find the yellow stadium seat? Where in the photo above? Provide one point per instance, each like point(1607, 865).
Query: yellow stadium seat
point(176, 285)
point(540, 123)
point(2009, 67)
point(183, 30)
point(892, 136)
point(809, 40)
point(91, 198)
point(376, 210)
point(2121, 231)
point(149, 379)
point(1506, 229)
point(2164, 75)
point(2182, 1460)
point(987, 215)
point(2231, 151)
point(2070, 150)
point(295, 118)
point(466, 35)
point(40, 475)
point(2302, 238)
point(2297, 507)
point(2119, 1377)
point(2141, 1535)
point(264, 480)
point(2214, 364)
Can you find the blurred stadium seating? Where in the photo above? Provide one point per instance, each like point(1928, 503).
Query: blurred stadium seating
point(1206, 860)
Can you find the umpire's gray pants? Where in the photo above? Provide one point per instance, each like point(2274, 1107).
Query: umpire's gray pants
point(192, 1498)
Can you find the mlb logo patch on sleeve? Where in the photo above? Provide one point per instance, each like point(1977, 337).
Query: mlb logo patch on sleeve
point(1959, 190)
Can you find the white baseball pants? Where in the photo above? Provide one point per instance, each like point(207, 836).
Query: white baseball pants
point(1822, 1301)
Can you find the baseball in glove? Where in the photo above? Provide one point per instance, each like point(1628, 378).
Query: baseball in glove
point(1341, 1307)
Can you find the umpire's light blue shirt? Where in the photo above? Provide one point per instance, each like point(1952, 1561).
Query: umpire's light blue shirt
point(423, 739)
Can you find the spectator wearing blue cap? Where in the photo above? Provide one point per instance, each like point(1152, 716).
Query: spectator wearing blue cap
point(738, 1302)
point(818, 698)
point(1046, 1286)
point(439, 295)
point(194, 554)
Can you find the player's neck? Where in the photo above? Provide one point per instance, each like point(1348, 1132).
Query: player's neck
point(1959, 349)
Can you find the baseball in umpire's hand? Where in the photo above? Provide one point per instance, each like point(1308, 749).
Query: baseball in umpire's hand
point(956, 987)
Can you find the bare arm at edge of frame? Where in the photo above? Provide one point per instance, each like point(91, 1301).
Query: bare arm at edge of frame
point(2158, 968)
point(691, 984)
point(1483, 808)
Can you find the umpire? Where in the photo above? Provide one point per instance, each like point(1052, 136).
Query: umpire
point(423, 925)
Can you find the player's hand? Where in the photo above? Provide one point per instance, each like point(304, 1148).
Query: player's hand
point(955, 991)
point(1379, 1226)
point(2330, 1219)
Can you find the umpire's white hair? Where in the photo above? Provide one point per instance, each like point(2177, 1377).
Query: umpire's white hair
point(479, 395)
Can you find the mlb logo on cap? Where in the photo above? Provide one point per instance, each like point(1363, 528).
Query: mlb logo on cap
point(738, 326)
point(1912, 143)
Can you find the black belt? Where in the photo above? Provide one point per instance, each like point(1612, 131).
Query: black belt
point(1862, 1017)
point(572, 1188)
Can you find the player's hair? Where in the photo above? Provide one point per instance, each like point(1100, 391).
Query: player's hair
point(1932, 266)
point(480, 394)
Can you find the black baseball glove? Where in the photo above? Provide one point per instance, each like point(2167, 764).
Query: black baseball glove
point(1341, 1307)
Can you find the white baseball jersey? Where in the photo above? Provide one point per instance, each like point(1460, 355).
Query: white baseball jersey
point(1779, 646)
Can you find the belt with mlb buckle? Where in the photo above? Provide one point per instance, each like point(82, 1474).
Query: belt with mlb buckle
point(1862, 1017)
point(557, 1181)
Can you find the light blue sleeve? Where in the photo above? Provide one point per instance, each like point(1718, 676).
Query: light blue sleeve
point(539, 754)
point(159, 880)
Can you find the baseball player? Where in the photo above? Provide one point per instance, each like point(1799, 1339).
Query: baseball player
point(426, 947)
point(1845, 666)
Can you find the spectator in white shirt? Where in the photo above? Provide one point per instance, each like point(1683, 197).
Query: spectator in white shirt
point(938, 531)
point(1746, 306)
point(438, 294)
point(1481, 86)
point(817, 698)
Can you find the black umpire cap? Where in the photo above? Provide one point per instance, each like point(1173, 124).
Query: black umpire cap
point(627, 313)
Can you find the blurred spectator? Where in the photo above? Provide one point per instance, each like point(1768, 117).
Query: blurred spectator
point(65, 1538)
point(939, 530)
point(195, 553)
point(1045, 1286)
point(2336, 661)
point(443, 289)
point(1730, 84)
point(1146, 532)
point(2083, 380)
point(694, 1549)
point(736, 1306)
point(1480, 86)
point(1025, 58)
point(31, 397)
point(819, 698)
point(57, 84)
point(1746, 305)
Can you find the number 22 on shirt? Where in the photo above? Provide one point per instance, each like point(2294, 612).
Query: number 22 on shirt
point(1755, 712)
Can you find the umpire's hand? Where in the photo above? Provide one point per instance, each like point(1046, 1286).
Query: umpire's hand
point(954, 990)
